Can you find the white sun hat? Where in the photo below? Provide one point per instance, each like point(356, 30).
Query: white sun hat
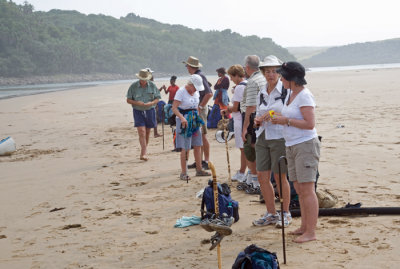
point(270, 61)
point(197, 82)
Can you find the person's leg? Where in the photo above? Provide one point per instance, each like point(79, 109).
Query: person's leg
point(309, 207)
point(243, 162)
point(252, 167)
point(206, 148)
point(286, 190)
point(197, 157)
point(147, 136)
point(183, 161)
point(267, 190)
point(142, 140)
point(302, 228)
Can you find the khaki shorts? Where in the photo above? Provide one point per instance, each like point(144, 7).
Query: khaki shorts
point(303, 161)
point(249, 150)
point(203, 116)
point(268, 153)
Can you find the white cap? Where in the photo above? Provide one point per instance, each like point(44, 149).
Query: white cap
point(197, 82)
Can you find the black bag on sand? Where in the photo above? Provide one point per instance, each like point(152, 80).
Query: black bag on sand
point(254, 257)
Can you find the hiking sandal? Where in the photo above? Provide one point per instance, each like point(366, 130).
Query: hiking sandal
point(241, 186)
point(220, 227)
point(184, 177)
point(216, 239)
point(202, 173)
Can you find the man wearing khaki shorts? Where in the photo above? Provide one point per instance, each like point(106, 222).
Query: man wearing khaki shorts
point(193, 67)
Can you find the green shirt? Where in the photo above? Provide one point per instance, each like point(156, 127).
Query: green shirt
point(147, 94)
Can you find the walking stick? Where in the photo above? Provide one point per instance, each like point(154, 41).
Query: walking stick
point(227, 151)
point(216, 206)
point(162, 126)
point(281, 200)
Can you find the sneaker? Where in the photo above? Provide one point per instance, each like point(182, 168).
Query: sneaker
point(204, 165)
point(220, 226)
point(287, 219)
point(238, 177)
point(267, 219)
point(191, 166)
point(205, 224)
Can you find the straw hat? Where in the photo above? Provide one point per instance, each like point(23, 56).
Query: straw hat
point(193, 62)
point(270, 61)
point(144, 75)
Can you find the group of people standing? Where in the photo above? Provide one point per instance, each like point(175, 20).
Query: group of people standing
point(273, 114)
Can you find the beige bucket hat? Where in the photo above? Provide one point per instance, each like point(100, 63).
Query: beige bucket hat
point(193, 62)
point(144, 75)
point(270, 61)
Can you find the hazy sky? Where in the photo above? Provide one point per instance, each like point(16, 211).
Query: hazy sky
point(288, 22)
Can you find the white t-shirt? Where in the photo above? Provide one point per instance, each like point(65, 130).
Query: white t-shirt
point(237, 97)
point(187, 101)
point(272, 131)
point(294, 135)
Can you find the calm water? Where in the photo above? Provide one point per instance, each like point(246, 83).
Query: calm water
point(16, 91)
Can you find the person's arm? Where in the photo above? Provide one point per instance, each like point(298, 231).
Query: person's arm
point(308, 123)
point(205, 100)
point(133, 102)
point(175, 109)
point(225, 83)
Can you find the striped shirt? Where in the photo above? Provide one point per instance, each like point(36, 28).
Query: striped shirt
point(254, 84)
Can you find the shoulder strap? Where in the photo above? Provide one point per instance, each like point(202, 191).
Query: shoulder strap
point(283, 95)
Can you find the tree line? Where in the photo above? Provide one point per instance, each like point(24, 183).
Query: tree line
point(68, 42)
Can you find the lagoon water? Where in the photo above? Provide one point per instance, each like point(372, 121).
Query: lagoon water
point(21, 90)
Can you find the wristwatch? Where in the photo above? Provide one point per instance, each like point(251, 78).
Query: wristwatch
point(288, 122)
point(201, 107)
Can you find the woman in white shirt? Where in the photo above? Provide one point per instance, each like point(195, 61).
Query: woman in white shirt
point(302, 146)
point(188, 123)
point(270, 145)
point(237, 75)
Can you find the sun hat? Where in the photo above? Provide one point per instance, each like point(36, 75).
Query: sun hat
point(144, 75)
point(193, 62)
point(197, 82)
point(270, 61)
point(149, 70)
point(293, 71)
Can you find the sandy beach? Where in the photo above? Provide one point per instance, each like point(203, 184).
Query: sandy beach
point(78, 157)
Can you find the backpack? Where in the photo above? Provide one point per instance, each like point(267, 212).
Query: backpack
point(225, 202)
point(254, 257)
point(214, 117)
point(160, 111)
point(169, 115)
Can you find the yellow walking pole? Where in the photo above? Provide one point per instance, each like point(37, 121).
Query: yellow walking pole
point(216, 206)
point(226, 131)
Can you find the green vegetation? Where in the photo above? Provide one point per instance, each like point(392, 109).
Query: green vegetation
point(302, 53)
point(68, 42)
point(378, 52)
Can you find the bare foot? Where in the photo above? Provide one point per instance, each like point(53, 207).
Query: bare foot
point(157, 135)
point(144, 158)
point(298, 231)
point(304, 238)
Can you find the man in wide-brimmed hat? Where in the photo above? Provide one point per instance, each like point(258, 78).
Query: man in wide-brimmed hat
point(143, 95)
point(193, 66)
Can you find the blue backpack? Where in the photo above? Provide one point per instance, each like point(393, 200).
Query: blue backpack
point(214, 117)
point(254, 257)
point(225, 202)
point(160, 111)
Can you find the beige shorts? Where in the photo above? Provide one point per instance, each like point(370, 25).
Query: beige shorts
point(303, 161)
point(268, 153)
point(203, 116)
